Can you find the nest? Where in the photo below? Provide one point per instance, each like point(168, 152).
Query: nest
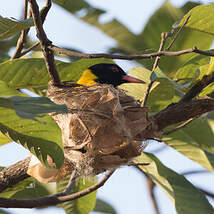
point(101, 129)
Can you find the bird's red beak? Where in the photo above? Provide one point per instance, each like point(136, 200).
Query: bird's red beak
point(130, 79)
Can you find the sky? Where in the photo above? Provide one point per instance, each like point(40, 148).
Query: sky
point(126, 189)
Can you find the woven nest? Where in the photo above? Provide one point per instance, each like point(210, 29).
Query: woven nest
point(101, 129)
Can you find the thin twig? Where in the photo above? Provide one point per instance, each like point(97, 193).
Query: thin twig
point(163, 40)
point(52, 200)
point(44, 41)
point(29, 49)
point(45, 10)
point(180, 126)
point(207, 193)
point(121, 57)
point(198, 87)
point(70, 184)
point(194, 172)
point(128, 57)
point(22, 38)
point(151, 185)
point(162, 148)
point(164, 37)
point(205, 53)
point(43, 16)
point(138, 164)
point(177, 34)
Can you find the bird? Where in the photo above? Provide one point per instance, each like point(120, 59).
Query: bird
point(106, 73)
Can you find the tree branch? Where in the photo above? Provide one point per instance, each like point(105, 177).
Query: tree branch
point(151, 185)
point(52, 200)
point(193, 172)
point(178, 33)
point(179, 112)
point(22, 38)
point(209, 194)
point(128, 57)
point(180, 126)
point(164, 37)
point(44, 41)
point(13, 174)
point(198, 87)
point(29, 49)
point(71, 183)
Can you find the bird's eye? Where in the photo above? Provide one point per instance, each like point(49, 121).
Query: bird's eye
point(114, 69)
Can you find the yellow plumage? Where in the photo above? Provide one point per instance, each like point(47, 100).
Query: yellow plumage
point(87, 78)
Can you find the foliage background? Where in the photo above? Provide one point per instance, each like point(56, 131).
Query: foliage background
point(126, 190)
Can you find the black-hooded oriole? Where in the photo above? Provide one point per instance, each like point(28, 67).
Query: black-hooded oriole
point(105, 73)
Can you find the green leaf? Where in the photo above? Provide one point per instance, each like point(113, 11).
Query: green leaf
point(189, 69)
point(28, 73)
point(72, 6)
point(195, 73)
point(32, 107)
point(137, 90)
point(10, 27)
point(201, 19)
point(10, 191)
point(3, 57)
point(42, 139)
point(187, 198)
point(194, 144)
point(114, 28)
point(20, 73)
point(207, 90)
point(4, 212)
point(161, 95)
point(26, 189)
point(161, 21)
point(34, 190)
point(104, 207)
point(7, 44)
point(164, 19)
point(83, 205)
point(5, 90)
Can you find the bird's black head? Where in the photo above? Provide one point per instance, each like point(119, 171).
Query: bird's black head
point(111, 74)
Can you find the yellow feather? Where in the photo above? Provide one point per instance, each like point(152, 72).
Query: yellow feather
point(87, 78)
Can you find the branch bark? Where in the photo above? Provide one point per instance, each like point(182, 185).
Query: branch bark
point(198, 87)
point(54, 199)
point(179, 112)
point(128, 57)
point(22, 38)
point(151, 186)
point(13, 174)
point(175, 113)
point(44, 41)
